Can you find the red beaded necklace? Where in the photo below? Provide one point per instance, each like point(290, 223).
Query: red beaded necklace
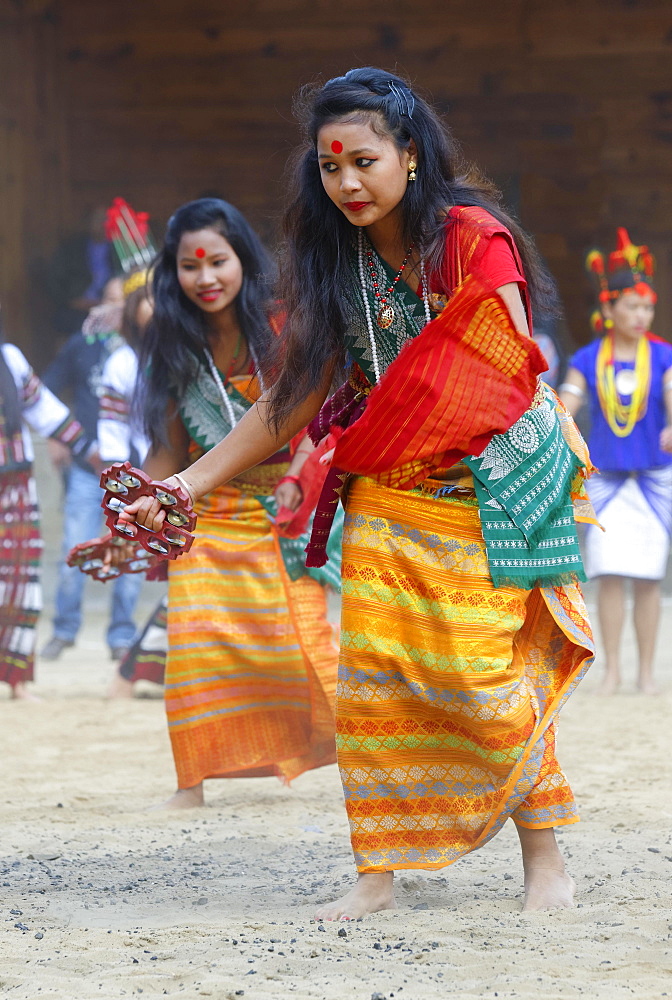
point(385, 316)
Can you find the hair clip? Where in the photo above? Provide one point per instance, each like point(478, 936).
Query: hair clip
point(404, 98)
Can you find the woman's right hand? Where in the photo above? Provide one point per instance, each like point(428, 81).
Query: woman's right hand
point(146, 511)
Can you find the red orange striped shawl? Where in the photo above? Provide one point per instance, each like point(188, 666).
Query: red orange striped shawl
point(465, 377)
point(468, 376)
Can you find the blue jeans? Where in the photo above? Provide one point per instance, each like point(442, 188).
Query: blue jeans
point(83, 520)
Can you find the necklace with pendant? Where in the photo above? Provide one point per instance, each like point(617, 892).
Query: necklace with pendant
point(385, 315)
point(218, 380)
point(612, 385)
point(626, 381)
point(367, 309)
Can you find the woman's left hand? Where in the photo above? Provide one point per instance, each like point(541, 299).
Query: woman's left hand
point(289, 495)
point(117, 554)
point(665, 439)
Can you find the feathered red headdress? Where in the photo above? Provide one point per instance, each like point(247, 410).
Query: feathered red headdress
point(629, 268)
point(129, 233)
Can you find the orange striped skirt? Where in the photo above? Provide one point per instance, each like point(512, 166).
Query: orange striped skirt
point(251, 666)
point(448, 687)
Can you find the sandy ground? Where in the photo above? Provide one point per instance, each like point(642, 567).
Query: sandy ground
point(101, 898)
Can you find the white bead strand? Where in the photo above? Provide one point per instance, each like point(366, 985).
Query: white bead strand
point(220, 385)
point(367, 307)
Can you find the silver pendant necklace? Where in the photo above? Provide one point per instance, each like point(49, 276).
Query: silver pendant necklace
point(384, 321)
point(385, 314)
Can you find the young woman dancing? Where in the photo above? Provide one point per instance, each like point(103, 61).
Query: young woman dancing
point(463, 627)
point(251, 667)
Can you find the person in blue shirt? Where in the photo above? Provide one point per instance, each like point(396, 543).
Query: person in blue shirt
point(625, 378)
point(77, 370)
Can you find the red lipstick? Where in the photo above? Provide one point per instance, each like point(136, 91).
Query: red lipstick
point(356, 206)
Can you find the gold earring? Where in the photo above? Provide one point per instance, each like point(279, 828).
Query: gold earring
point(411, 170)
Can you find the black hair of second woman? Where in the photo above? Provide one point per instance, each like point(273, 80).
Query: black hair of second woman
point(9, 396)
point(177, 330)
point(315, 271)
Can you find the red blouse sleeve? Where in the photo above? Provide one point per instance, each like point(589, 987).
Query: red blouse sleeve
point(498, 263)
point(478, 243)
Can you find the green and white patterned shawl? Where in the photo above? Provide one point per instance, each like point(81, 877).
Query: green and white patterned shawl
point(202, 410)
point(523, 484)
point(207, 422)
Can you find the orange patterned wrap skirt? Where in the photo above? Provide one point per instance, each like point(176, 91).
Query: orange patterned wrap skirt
point(448, 687)
point(251, 667)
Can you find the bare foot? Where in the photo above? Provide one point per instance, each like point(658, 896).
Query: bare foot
point(120, 688)
point(371, 894)
point(647, 685)
point(184, 798)
point(610, 684)
point(548, 889)
point(20, 692)
point(547, 884)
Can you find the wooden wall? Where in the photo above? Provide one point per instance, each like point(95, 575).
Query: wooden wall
point(568, 105)
point(35, 188)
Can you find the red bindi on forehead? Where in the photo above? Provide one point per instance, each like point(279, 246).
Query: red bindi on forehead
point(336, 146)
point(199, 251)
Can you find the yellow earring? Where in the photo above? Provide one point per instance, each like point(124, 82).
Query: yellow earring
point(411, 170)
point(608, 324)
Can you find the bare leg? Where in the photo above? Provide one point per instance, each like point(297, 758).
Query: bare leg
point(547, 884)
point(647, 616)
point(371, 894)
point(20, 692)
point(611, 612)
point(184, 798)
point(120, 687)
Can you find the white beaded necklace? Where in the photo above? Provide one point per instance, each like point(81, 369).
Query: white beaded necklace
point(220, 385)
point(367, 307)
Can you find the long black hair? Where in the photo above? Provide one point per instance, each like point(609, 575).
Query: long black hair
point(318, 236)
point(9, 396)
point(178, 328)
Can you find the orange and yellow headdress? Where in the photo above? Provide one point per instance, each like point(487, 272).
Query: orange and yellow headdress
point(629, 268)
